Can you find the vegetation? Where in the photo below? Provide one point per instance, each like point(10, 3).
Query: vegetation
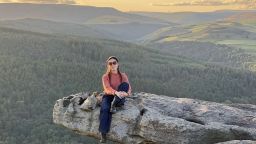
point(37, 69)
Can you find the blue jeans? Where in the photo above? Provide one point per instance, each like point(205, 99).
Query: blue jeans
point(105, 114)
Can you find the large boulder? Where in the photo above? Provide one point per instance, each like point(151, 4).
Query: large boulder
point(151, 118)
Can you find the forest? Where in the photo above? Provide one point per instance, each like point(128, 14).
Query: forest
point(37, 69)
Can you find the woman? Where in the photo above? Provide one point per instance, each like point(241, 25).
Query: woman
point(116, 87)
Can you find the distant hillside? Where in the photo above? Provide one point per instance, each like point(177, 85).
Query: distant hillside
point(129, 31)
point(53, 27)
point(68, 13)
point(125, 31)
point(217, 31)
point(222, 26)
point(244, 18)
point(212, 32)
point(55, 12)
point(189, 18)
point(222, 42)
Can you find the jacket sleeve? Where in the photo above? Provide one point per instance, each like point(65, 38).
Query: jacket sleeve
point(127, 80)
point(106, 85)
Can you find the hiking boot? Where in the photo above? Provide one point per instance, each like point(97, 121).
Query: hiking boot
point(103, 138)
point(113, 109)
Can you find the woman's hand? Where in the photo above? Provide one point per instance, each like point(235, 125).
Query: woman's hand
point(124, 93)
point(117, 93)
point(121, 94)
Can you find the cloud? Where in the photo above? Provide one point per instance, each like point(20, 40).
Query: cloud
point(45, 1)
point(242, 3)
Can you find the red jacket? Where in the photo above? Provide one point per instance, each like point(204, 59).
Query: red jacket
point(115, 82)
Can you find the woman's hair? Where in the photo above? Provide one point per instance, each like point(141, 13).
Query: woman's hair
point(109, 70)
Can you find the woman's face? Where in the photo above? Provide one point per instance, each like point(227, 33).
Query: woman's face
point(112, 64)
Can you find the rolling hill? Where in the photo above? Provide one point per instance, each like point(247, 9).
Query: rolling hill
point(211, 32)
point(223, 42)
point(193, 18)
point(53, 27)
point(58, 12)
point(244, 18)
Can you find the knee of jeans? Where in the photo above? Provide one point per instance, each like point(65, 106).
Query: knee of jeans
point(124, 83)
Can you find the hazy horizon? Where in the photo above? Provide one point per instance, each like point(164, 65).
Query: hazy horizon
point(154, 5)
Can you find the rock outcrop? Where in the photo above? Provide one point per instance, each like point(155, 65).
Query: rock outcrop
point(150, 118)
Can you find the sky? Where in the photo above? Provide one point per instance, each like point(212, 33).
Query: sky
point(155, 5)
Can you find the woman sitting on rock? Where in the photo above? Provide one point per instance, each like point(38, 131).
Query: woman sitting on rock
point(116, 87)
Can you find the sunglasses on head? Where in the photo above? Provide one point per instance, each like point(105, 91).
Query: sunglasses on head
point(110, 63)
